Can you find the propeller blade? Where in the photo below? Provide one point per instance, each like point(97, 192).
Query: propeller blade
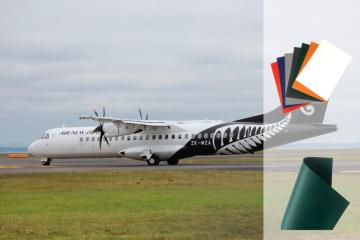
point(101, 137)
point(147, 117)
point(103, 111)
point(140, 113)
point(96, 114)
point(106, 140)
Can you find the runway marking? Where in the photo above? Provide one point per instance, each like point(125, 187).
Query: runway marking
point(11, 166)
point(45, 166)
point(354, 171)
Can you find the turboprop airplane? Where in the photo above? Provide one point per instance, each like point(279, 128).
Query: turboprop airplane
point(154, 141)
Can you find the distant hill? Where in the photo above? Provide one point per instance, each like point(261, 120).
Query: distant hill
point(12, 149)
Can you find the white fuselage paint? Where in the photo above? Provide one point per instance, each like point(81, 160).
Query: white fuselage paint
point(66, 142)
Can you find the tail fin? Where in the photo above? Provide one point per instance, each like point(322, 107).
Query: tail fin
point(311, 113)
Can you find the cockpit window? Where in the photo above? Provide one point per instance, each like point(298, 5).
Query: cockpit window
point(45, 136)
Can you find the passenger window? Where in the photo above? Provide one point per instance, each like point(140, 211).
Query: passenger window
point(98, 139)
point(87, 139)
point(122, 138)
point(141, 137)
point(186, 136)
point(179, 136)
point(134, 137)
point(206, 135)
point(199, 136)
point(81, 139)
point(211, 135)
point(160, 137)
point(110, 138)
point(147, 137)
point(128, 138)
point(154, 137)
point(93, 139)
point(173, 136)
point(192, 136)
point(166, 136)
point(117, 138)
point(225, 135)
point(218, 135)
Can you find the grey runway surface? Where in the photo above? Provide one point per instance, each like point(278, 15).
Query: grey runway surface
point(345, 161)
point(29, 165)
point(340, 166)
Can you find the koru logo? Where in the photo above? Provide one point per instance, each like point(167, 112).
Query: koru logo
point(308, 110)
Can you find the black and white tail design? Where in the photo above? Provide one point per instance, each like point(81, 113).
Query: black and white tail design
point(246, 138)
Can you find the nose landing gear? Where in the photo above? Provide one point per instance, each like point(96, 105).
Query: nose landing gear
point(46, 161)
point(153, 161)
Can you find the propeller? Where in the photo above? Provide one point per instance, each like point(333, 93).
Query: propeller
point(100, 128)
point(141, 116)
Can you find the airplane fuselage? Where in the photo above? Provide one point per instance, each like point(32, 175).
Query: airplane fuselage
point(155, 141)
point(82, 142)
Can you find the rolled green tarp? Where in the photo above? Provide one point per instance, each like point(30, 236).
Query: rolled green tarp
point(314, 204)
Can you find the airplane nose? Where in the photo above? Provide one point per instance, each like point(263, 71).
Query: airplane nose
point(31, 148)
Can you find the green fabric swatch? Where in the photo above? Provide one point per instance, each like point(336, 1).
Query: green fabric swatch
point(298, 59)
point(314, 204)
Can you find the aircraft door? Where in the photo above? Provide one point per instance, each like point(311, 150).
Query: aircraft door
point(81, 141)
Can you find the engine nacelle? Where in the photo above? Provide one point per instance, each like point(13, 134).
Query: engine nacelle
point(113, 130)
point(163, 152)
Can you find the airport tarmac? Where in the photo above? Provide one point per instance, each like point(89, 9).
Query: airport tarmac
point(33, 164)
point(116, 164)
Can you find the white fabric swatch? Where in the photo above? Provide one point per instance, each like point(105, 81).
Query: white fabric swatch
point(324, 69)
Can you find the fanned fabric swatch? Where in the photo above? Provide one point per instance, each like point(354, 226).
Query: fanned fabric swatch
point(295, 68)
point(288, 61)
point(309, 74)
point(314, 204)
point(324, 69)
point(276, 73)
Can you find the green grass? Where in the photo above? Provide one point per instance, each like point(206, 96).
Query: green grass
point(223, 159)
point(132, 205)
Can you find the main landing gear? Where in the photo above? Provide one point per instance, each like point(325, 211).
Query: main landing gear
point(46, 161)
point(172, 161)
point(154, 161)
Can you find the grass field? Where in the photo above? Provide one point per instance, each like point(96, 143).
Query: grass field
point(132, 205)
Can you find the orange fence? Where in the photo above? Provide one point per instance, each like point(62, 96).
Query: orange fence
point(18, 155)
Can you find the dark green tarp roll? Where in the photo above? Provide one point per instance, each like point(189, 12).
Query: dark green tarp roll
point(314, 204)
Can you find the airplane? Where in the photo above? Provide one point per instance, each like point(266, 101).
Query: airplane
point(154, 141)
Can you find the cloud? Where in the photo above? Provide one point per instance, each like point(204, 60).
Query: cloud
point(177, 60)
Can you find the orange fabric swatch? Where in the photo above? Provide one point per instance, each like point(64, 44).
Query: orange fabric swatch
point(313, 46)
point(298, 86)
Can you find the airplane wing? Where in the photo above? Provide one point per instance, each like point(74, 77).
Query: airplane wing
point(135, 123)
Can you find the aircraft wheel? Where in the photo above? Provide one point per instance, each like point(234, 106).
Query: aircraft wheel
point(46, 162)
point(172, 161)
point(153, 161)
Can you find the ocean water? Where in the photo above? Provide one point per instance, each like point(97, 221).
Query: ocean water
point(13, 150)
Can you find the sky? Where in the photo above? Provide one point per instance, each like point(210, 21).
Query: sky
point(177, 60)
point(174, 59)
